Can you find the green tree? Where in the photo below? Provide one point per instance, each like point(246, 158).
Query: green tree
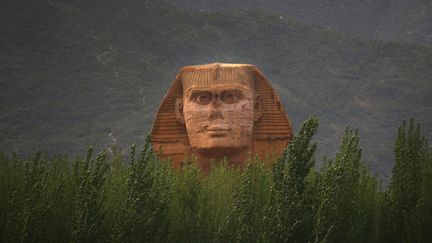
point(90, 175)
point(216, 201)
point(289, 214)
point(409, 187)
point(184, 205)
point(146, 200)
point(337, 218)
point(250, 197)
point(424, 205)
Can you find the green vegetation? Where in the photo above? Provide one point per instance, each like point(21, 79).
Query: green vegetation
point(109, 199)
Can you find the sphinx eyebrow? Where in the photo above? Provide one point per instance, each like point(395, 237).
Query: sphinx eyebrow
point(195, 92)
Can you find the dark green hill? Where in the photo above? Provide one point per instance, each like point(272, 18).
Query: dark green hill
point(76, 73)
point(389, 20)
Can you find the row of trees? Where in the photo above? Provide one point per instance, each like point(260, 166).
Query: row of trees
point(106, 199)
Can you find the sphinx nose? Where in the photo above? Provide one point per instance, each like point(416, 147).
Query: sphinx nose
point(215, 114)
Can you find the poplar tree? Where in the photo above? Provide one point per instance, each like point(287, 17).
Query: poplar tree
point(90, 175)
point(338, 194)
point(146, 200)
point(409, 186)
point(184, 206)
point(289, 214)
point(249, 197)
point(424, 205)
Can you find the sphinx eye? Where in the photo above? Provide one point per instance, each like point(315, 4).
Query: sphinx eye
point(231, 96)
point(203, 98)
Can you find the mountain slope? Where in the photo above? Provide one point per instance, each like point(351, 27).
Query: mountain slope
point(389, 20)
point(77, 73)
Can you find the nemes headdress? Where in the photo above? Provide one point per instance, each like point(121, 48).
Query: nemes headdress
point(271, 133)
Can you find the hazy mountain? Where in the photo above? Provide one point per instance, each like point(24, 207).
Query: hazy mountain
point(76, 73)
point(390, 20)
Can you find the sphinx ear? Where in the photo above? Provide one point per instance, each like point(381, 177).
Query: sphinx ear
point(179, 110)
point(258, 107)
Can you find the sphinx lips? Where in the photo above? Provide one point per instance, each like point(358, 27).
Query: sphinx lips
point(218, 130)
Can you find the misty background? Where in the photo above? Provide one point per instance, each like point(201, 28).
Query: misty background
point(78, 73)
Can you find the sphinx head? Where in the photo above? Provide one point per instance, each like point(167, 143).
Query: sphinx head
point(219, 107)
point(220, 110)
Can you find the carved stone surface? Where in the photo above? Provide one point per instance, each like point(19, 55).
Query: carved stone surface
point(220, 110)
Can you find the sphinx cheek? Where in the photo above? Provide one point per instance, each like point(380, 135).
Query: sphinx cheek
point(195, 120)
point(240, 118)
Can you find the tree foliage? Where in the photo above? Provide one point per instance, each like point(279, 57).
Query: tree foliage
point(408, 199)
point(106, 198)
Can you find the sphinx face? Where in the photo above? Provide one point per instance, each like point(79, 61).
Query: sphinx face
point(219, 120)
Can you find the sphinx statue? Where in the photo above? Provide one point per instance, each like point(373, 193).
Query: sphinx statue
point(216, 111)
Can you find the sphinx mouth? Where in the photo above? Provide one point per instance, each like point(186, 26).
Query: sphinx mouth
point(218, 130)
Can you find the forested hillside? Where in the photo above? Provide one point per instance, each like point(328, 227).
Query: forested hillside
point(389, 20)
point(76, 73)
